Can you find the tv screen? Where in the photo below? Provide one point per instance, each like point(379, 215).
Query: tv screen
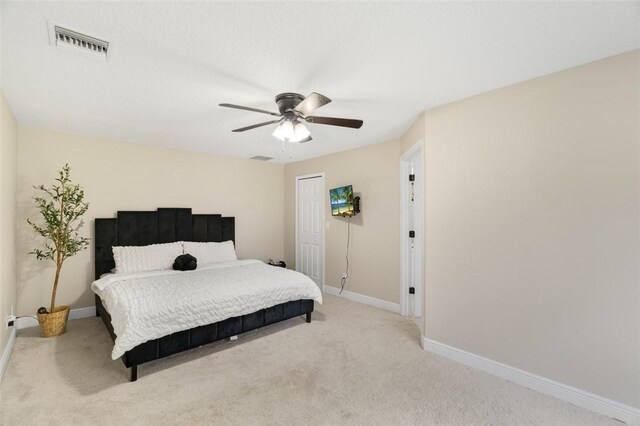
point(341, 200)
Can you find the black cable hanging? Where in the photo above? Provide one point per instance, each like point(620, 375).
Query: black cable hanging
point(343, 281)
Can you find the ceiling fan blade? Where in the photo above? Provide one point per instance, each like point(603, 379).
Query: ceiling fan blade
point(331, 121)
point(311, 102)
point(266, 123)
point(249, 109)
point(307, 139)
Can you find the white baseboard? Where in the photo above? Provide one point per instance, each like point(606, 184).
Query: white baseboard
point(27, 322)
point(361, 298)
point(550, 387)
point(82, 313)
point(6, 353)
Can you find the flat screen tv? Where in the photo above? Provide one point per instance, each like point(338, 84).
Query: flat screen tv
point(341, 200)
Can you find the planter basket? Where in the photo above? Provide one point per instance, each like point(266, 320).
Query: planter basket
point(54, 323)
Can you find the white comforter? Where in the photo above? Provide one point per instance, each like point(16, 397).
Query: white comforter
point(149, 305)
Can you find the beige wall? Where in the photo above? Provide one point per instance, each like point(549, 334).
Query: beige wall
point(532, 226)
point(123, 176)
point(374, 255)
point(8, 172)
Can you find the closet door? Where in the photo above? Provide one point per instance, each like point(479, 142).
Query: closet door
point(310, 250)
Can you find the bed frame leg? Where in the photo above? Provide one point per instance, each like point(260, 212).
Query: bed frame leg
point(308, 316)
point(134, 373)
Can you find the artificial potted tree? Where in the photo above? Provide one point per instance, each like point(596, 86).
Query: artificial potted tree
point(61, 207)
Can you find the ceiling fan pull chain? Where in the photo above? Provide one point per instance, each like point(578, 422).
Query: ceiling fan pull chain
point(283, 146)
point(290, 151)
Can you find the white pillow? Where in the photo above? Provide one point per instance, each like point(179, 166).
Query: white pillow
point(211, 252)
point(155, 257)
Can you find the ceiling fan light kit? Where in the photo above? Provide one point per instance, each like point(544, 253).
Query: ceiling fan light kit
point(292, 131)
point(294, 110)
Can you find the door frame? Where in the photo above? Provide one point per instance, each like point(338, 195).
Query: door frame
point(322, 228)
point(417, 148)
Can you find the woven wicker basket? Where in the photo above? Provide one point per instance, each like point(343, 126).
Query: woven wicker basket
point(54, 323)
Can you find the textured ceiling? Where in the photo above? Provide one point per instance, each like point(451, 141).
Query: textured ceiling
point(171, 64)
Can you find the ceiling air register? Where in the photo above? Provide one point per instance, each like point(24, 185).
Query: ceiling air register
point(73, 41)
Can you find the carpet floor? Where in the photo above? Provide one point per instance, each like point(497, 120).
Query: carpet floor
point(353, 364)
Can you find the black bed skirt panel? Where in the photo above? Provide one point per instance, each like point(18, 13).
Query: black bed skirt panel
point(198, 336)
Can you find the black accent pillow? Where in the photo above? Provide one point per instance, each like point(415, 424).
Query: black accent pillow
point(185, 262)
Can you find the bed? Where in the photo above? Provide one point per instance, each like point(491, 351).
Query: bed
point(214, 302)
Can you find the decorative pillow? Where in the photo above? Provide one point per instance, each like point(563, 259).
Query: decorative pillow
point(155, 257)
point(211, 252)
point(185, 262)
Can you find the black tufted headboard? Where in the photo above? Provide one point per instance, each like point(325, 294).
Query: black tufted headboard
point(166, 225)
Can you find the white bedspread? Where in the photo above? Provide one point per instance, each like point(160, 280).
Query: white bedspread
point(149, 305)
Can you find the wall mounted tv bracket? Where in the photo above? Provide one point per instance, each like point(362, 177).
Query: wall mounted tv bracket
point(356, 205)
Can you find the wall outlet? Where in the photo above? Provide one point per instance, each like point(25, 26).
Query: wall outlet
point(10, 320)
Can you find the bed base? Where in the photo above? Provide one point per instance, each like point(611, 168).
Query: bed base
point(199, 336)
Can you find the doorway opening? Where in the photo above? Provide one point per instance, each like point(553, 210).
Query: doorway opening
point(310, 227)
point(412, 233)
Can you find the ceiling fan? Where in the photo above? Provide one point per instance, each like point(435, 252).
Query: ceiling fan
point(294, 110)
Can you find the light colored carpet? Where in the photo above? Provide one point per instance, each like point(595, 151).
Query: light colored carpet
point(353, 364)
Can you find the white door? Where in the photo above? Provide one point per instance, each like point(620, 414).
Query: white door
point(310, 234)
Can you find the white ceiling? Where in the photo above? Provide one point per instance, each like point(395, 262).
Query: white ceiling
point(171, 64)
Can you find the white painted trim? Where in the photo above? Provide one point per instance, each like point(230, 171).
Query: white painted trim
point(79, 313)
point(541, 384)
point(6, 354)
point(361, 298)
point(404, 252)
point(324, 245)
point(418, 147)
point(26, 322)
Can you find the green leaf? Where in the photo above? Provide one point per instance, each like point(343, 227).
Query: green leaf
point(61, 208)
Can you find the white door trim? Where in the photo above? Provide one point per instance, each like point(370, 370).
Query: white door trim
point(299, 178)
point(404, 228)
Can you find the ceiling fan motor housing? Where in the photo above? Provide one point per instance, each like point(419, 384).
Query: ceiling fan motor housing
point(287, 102)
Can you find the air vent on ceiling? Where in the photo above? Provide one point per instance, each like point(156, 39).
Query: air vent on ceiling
point(76, 42)
point(261, 158)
